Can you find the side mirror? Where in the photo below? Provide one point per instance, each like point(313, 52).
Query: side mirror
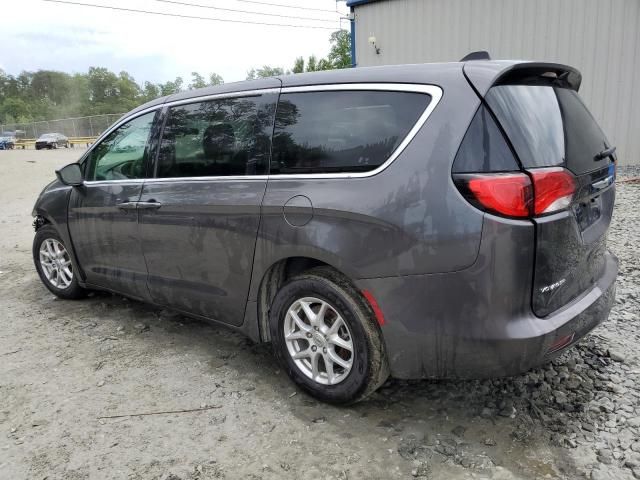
point(70, 175)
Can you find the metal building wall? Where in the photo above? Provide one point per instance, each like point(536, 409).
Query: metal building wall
point(599, 37)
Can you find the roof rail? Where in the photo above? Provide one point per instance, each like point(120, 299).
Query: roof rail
point(479, 55)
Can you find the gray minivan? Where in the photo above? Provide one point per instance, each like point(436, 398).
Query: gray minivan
point(420, 221)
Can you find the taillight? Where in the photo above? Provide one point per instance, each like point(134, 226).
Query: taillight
point(519, 195)
point(553, 189)
point(508, 194)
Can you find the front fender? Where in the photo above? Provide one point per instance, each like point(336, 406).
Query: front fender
point(52, 206)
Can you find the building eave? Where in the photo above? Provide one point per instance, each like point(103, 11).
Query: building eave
point(357, 3)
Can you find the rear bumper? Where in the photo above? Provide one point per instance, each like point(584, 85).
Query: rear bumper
point(457, 326)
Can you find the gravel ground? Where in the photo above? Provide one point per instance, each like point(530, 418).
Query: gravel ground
point(66, 367)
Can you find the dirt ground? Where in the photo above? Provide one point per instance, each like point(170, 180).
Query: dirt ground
point(64, 365)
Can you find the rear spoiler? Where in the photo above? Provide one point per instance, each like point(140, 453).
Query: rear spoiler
point(483, 75)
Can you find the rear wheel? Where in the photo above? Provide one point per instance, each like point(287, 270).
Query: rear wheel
point(54, 264)
point(325, 335)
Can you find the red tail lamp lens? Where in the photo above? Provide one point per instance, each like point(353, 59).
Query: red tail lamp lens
point(553, 189)
point(509, 194)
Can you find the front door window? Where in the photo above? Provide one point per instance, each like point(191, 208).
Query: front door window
point(122, 153)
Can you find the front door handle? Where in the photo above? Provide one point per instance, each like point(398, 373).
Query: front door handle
point(127, 205)
point(151, 205)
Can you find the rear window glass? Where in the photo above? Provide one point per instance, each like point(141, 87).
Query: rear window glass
point(224, 137)
point(484, 148)
point(348, 131)
point(548, 126)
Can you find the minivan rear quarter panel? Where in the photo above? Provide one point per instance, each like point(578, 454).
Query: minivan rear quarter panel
point(404, 220)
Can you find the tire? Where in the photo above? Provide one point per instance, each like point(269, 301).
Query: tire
point(366, 362)
point(58, 283)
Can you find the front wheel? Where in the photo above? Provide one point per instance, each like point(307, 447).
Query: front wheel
point(325, 335)
point(54, 265)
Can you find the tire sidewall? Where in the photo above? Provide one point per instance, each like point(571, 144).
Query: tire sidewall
point(73, 290)
point(311, 286)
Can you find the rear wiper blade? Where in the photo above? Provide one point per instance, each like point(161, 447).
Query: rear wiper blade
point(607, 152)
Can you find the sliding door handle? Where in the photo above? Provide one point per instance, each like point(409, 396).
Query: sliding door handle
point(151, 205)
point(127, 205)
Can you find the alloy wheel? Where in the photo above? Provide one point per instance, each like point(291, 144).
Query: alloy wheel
point(56, 263)
point(319, 340)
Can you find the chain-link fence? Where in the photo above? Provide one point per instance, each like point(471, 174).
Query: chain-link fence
point(91, 126)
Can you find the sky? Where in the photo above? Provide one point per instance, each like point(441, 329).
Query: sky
point(72, 38)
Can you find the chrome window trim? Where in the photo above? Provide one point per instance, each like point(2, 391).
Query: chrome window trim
point(244, 178)
point(132, 181)
point(434, 91)
point(217, 96)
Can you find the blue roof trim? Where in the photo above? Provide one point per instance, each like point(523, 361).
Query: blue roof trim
point(355, 3)
point(352, 34)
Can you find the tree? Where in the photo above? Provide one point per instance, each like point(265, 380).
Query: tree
point(50, 86)
point(340, 53)
point(264, 72)
point(197, 81)
point(298, 66)
point(102, 85)
point(128, 93)
point(170, 88)
point(324, 64)
point(312, 64)
point(14, 109)
point(215, 79)
point(150, 91)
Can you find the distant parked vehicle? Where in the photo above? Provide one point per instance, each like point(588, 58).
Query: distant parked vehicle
point(52, 140)
point(7, 141)
point(19, 134)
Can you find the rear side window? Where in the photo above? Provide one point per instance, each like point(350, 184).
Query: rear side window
point(484, 148)
point(548, 126)
point(344, 131)
point(223, 137)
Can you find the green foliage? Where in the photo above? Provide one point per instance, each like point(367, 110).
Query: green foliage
point(169, 88)
point(339, 55)
point(14, 109)
point(298, 66)
point(312, 64)
point(264, 72)
point(47, 94)
point(215, 79)
point(197, 81)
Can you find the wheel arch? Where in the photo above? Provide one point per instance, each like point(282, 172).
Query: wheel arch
point(272, 280)
point(51, 208)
